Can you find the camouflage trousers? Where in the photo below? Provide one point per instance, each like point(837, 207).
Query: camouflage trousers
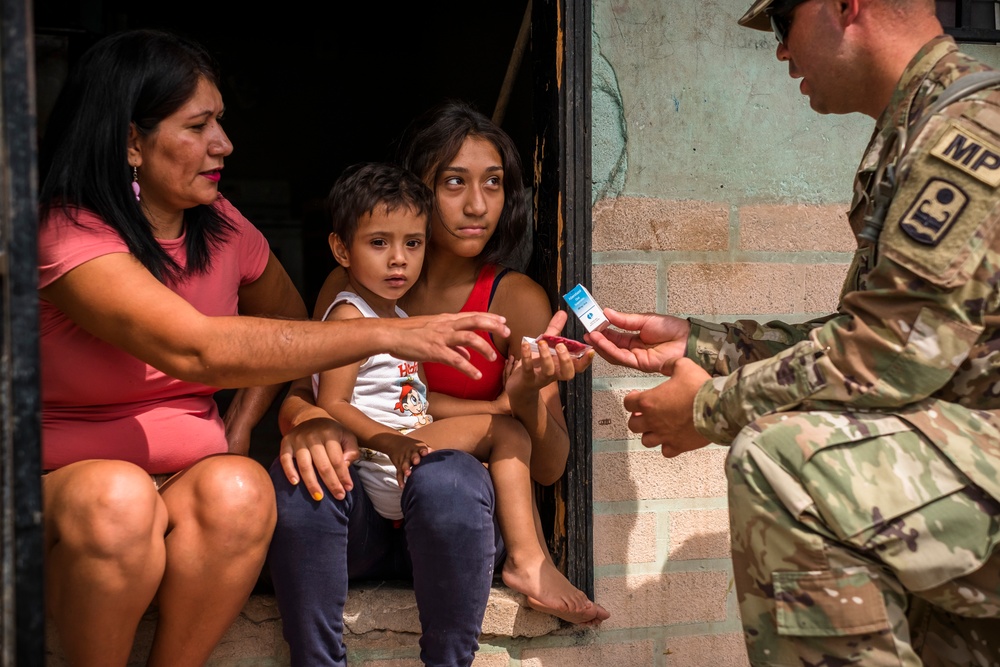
point(856, 541)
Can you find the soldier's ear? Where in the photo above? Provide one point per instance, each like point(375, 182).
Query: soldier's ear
point(848, 11)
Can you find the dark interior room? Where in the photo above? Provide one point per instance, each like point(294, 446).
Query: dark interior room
point(312, 87)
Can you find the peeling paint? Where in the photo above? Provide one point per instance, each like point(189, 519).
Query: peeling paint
point(685, 75)
point(560, 45)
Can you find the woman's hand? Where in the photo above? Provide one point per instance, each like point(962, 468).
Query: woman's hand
point(319, 445)
point(404, 451)
point(657, 342)
point(445, 338)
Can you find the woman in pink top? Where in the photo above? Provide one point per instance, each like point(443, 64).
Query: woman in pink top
point(146, 276)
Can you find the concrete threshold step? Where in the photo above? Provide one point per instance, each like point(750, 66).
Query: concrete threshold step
point(379, 617)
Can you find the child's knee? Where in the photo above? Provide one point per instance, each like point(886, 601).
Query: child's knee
point(510, 434)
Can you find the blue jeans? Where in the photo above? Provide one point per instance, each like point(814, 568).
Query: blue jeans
point(449, 544)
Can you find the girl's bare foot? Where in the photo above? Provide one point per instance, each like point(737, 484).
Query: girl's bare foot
point(550, 592)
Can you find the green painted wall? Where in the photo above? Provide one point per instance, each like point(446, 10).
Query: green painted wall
point(689, 105)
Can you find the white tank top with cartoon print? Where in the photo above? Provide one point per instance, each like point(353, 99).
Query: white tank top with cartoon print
point(388, 390)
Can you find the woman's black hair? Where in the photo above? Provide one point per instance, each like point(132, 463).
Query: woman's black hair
point(436, 136)
point(135, 77)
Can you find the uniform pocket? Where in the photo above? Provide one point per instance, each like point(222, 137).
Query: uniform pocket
point(832, 603)
point(879, 487)
point(865, 486)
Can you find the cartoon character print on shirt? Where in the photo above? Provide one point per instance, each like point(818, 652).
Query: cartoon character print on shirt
point(412, 400)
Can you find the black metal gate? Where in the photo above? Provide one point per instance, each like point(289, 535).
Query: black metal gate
point(22, 606)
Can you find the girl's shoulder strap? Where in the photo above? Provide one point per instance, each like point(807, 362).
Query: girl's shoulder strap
point(501, 271)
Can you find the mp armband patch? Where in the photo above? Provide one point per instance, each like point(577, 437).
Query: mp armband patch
point(944, 215)
point(969, 152)
point(934, 211)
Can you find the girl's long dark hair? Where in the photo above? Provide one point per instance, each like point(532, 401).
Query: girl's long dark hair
point(134, 77)
point(436, 136)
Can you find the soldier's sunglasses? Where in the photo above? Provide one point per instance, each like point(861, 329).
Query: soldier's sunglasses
point(780, 14)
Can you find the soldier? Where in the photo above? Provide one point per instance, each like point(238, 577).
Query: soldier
point(864, 464)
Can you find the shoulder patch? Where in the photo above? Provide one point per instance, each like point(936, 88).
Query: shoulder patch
point(945, 213)
point(969, 152)
point(934, 211)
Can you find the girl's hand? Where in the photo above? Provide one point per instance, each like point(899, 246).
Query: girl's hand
point(508, 368)
point(502, 402)
point(534, 371)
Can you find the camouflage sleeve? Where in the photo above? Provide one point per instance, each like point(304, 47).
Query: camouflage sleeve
point(722, 348)
point(903, 333)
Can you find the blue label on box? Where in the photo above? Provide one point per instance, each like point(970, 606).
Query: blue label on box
point(578, 299)
point(585, 308)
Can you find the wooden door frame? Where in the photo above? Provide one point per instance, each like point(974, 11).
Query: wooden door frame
point(561, 45)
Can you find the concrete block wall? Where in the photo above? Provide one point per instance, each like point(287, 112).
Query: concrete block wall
point(661, 531)
point(719, 194)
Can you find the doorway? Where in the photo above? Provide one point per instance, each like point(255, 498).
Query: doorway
point(310, 89)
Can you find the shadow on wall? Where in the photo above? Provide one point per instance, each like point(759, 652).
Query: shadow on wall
point(661, 531)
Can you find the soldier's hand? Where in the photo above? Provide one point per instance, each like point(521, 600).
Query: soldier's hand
point(664, 414)
point(647, 341)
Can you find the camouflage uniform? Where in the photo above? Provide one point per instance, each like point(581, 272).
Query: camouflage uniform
point(864, 470)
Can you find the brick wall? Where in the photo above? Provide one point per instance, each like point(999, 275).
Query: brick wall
point(661, 527)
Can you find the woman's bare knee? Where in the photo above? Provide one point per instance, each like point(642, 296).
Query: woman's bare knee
point(227, 495)
point(106, 508)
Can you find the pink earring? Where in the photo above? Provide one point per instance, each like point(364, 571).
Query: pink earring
point(135, 182)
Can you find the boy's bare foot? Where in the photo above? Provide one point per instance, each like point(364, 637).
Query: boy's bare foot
point(548, 591)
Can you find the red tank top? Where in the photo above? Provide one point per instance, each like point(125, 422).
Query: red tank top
point(447, 380)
